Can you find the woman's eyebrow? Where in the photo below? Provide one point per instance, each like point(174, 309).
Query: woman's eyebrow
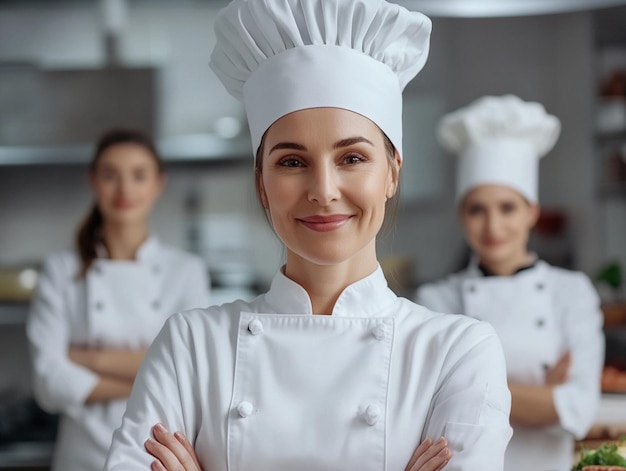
point(287, 145)
point(351, 141)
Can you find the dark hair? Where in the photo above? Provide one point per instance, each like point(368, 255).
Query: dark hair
point(392, 203)
point(89, 232)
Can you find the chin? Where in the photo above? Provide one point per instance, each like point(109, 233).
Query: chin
point(494, 255)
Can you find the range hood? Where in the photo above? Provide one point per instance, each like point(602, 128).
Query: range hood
point(40, 107)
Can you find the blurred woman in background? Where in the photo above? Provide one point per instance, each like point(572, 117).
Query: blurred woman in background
point(97, 308)
point(548, 318)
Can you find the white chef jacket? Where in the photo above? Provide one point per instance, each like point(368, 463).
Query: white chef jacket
point(539, 313)
point(265, 385)
point(119, 304)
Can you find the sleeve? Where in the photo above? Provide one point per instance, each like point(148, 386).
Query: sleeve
point(60, 386)
point(472, 406)
point(197, 289)
point(163, 392)
point(577, 400)
point(438, 297)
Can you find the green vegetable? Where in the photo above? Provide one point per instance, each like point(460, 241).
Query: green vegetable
point(611, 274)
point(607, 455)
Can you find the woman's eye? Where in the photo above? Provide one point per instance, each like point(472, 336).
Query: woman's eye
point(474, 210)
point(108, 176)
point(351, 159)
point(290, 162)
point(140, 176)
point(508, 208)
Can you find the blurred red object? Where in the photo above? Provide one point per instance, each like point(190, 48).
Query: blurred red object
point(551, 222)
point(614, 85)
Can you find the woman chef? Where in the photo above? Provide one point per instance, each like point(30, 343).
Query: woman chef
point(97, 308)
point(329, 370)
point(548, 319)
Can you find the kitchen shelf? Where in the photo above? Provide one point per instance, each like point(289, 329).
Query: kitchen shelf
point(13, 313)
point(190, 148)
point(611, 137)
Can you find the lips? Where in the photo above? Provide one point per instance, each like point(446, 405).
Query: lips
point(122, 204)
point(325, 223)
point(493, 242)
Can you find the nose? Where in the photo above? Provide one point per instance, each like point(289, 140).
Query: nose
point(493, 222)
point(124, 185)
point(324, 185)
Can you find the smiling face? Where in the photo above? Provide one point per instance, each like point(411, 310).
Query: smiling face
point(497, 221)
point(126, 181)
point(325, 177)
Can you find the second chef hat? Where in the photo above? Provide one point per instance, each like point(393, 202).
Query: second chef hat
point(280, 56)
point(499, 140)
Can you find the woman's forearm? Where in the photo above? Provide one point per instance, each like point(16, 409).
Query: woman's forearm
point(532, 406)
point(109, 388)
point(120, 364)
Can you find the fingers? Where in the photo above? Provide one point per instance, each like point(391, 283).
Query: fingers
point(172, 453)
point(559, 373)
point(430, 456)
point(188, 447)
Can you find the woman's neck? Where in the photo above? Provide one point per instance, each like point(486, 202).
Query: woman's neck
point(122, 241)
point(325, 283)
point(509, 266)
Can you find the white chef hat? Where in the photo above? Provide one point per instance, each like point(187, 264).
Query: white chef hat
point(499, 140)
point(281, 56)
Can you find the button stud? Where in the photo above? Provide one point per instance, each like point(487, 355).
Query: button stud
point(156, 305)
point(245, 409)
point(540, 286)
point(471, 288)
point(379, 331)
point(255, 327)
point(99, 306)
point(540, 322)
point(371, 415)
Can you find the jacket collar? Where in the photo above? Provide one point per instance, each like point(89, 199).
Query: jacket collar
point(364, 298)
point(537, 267)
point(147, 251)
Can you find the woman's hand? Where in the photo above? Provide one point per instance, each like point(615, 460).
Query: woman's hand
point(116, 363)
point(430, 456)
point(173, 452)
point(559, 373)
point(82, 356)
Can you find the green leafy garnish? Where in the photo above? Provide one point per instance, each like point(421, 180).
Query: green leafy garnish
point(606, 454)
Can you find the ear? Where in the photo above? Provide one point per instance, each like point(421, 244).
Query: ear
point(262, 194)
point(162, 183)
point(394, 175)
point(535, 211)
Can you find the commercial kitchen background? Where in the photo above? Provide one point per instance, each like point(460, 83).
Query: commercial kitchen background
point(209, 206)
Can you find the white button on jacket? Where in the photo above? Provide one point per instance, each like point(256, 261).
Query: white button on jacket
point(358, 390)
point(539, 314)
point(119, 304)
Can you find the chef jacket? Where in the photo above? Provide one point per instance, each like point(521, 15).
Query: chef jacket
point(266, 385)
point(539, 313)
point(118, 304)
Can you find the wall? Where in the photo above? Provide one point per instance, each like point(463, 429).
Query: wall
point(548, 59)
